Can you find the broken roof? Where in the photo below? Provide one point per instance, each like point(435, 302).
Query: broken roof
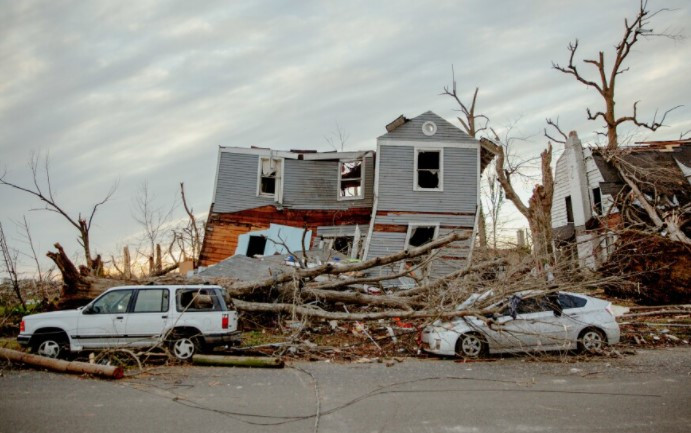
point(658, 159)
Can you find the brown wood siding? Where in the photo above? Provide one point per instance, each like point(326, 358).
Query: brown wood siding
point(222, 230)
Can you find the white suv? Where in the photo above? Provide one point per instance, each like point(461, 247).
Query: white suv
point(186, 318)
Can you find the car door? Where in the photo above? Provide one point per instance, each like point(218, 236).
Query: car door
point(102, 323)
point(533, 326)
point(148, 316)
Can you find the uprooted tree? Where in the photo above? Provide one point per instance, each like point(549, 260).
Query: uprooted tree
point(640, 188)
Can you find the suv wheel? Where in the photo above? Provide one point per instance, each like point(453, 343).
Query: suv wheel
point(49, 347)
point(184, 347)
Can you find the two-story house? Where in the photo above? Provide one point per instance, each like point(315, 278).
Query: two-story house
point(421, 183)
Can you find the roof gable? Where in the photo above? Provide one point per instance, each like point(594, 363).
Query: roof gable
point(412, 130)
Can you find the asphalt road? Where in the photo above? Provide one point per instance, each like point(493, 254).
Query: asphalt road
point(646, 392)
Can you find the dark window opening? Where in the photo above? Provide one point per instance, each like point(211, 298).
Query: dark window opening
point(569, 210)
point(421, 235)
point(256, 246)
point(428, 169)
point(343, 244)
point(351, 179)
point(597, 201)
point(270, 169)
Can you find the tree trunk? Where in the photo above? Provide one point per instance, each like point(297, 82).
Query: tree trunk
point(75, 286)
point(61, 366)
point(482, 227)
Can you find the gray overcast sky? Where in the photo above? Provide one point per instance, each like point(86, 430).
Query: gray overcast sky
point(148, 90)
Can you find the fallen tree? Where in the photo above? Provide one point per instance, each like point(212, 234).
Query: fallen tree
point(74, 367)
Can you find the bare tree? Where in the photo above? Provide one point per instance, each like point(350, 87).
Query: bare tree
point(43, 191)
point(191, 230)
point(473, 124)
point(10, 262)
point(494, 196)
point(153, 219)
point(338, 138)
point(604, 84)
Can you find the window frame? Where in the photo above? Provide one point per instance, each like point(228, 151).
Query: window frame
point(278, 185)
point(568, 205)
point(136, 297)
point(417, 151)
point(413, 225)
point(361, 196)
point(217, 300)
point(130, 302)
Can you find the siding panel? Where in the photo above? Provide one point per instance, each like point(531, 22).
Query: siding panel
point(396, 181)
point(236, 186)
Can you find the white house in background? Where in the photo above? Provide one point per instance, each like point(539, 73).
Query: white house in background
point(586, 187)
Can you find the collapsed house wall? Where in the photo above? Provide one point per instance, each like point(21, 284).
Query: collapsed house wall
point(423, 184)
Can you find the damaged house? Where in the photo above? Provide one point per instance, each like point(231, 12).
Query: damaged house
point(421, 183)
point(588, 191)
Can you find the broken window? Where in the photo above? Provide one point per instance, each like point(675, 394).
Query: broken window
point(192, 300)
point(569, 210)
point(269, 175)
point(428, 171)
point(421, 235)
point(597, 201)
point(351, 180)
point(256, 246)
point(343, 244)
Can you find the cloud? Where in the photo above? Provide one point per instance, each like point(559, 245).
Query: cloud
point(150, 90)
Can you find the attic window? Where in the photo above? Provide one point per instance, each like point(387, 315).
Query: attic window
point(428, 170)
point(569, 210)
point(429, 128)
point(269, 176)
point(351, 180)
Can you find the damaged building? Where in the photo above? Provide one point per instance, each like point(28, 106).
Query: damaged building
point(587, 189)
point(421, 183)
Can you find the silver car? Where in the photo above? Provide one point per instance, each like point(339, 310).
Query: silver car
point(527, 322)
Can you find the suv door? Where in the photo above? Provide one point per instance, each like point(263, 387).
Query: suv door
point(102, 323)
point(148, 316)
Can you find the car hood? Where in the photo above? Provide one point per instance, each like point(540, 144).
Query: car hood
point(53, 314)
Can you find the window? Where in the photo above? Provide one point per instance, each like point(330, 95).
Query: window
point(421, 235)
point(532, 305)
point(569, 210)
point(151, 301)
point(597, 201)
point(112, 302)
point(351, 180)
point(198, 300)
point(256, 245)
point(568, 301)
point(418, 235)
point(269, 177)
point(343, 244)
point(428, 170)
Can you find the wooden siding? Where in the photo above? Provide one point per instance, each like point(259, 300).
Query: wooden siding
point(236, 184)
point(222, 230)
point(396, 181)
point(562, 188)
point(314, 185)
point(451, 220)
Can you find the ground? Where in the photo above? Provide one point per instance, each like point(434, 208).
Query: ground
point(643, 392)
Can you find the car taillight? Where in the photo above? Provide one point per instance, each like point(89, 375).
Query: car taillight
point(609, 309)
point(22, 327)
point(224, 321)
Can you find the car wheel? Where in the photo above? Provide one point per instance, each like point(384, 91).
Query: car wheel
point(184, 347)
point(49, 347)
point(591, 340)
point(471, 346)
